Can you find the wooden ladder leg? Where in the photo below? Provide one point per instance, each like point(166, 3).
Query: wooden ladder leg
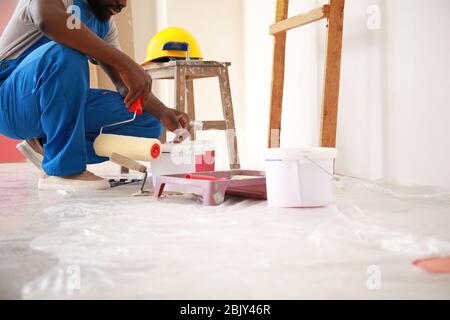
point(180, 89)
point(228, 114)
point(278, 77)
point(190, 103)
point(332, 73)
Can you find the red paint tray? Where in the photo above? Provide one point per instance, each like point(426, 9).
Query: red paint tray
point(215, 185)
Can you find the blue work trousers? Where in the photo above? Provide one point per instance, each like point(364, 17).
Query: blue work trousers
point(48, 96)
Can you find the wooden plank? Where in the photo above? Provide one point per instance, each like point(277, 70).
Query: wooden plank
point(277, 77)
point(228, 114)
point(192, 72)
point(332, 73)
point(190, 103)
point(180, 95)
point(180, 89)
point(128, 163)
point(195, 71)
point(160, 74)
point(300, 20)
point(214, 125)
point(200, 63)
point(184, 63)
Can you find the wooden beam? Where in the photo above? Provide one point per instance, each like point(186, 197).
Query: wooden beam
point(190, 103)
point(300, 20)
point(128, 163)
point(228, 114)
point(214, 125)
point(279, 56)
point(332, 73)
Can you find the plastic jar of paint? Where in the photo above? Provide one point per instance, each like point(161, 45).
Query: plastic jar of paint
point(299, 178)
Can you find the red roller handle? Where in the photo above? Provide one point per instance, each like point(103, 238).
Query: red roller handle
point(155, 151)
point(137, 106)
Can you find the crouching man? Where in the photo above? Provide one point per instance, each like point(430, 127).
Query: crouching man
point(45, 95)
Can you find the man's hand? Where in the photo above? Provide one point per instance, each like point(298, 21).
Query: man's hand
point(173, 119)
point(135, 80)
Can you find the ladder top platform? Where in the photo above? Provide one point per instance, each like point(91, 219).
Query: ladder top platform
point(186, 63)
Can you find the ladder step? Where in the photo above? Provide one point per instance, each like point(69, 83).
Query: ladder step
point(300, 20)
point(214, 125)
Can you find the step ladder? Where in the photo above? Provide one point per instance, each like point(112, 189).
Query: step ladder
point(334, 12)
point(183, 73)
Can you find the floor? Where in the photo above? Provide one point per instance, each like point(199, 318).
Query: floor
point(111, 245)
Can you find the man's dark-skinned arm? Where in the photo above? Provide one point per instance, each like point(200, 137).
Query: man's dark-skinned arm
point(52, 21)
point(171, 119)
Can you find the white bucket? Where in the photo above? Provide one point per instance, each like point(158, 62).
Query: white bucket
point(300, 177)
point(186, 157)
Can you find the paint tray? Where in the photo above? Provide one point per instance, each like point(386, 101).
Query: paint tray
point(215, 185)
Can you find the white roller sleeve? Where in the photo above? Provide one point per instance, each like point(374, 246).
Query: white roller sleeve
point(144, 149)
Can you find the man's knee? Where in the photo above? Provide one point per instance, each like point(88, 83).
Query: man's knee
point(68, 60)
point(66, 54)
point(158, 129)
point(152, 128)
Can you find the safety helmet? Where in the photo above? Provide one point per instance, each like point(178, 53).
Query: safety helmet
point(173, 43)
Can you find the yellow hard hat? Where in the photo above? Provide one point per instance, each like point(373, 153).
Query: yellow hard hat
point(173, 43)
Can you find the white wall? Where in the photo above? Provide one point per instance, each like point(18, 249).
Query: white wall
point(257, 50)
point(360, 122)
point(417, 91)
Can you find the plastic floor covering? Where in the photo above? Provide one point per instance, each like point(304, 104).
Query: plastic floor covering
point(110, 245)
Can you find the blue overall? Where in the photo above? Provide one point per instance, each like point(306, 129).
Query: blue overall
point(45, 93)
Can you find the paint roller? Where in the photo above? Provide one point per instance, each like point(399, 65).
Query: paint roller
point(136, 148)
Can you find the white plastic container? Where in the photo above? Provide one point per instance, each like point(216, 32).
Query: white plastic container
point(187, 157)
point(300, 177)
